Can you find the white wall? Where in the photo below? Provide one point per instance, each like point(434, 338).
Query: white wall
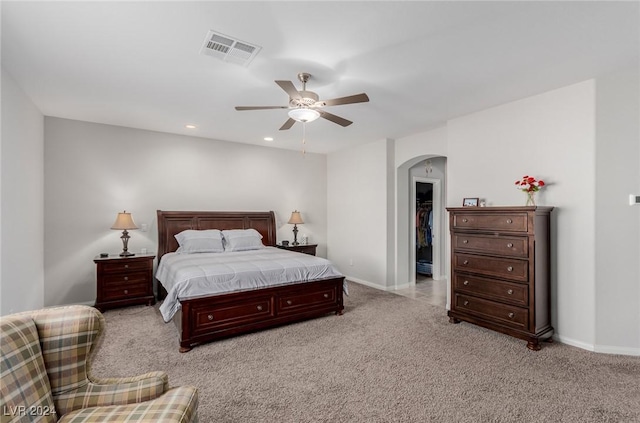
point(93, 171)
point(357, 184)
point(22, 185)
point(550, 136)
point(617, 224)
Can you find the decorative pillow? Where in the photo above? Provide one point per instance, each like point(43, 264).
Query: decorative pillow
point(242, 240)
point(204, 241)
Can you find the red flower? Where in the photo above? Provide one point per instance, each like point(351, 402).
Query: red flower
point(541, 183)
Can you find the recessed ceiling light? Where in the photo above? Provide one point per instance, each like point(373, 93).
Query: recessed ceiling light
point(189, 126)
point(268, 138)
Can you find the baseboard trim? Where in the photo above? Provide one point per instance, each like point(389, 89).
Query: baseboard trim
point(573, 342)
point(369, 284)
point(608, 349)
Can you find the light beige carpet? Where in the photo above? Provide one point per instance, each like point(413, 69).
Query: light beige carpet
point(387, 359)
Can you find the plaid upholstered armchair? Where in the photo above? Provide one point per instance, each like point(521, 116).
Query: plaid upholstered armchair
point(46, 375)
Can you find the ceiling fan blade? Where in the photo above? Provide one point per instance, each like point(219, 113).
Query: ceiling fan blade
point(288, 124)
point(335, 119)
point(290, 89)
point(260, 107)
point(357, 98)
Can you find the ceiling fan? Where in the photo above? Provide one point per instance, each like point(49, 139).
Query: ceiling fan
point(305, 106)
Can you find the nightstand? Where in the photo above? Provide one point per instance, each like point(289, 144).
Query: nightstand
point(123, 281)
point(306, 249)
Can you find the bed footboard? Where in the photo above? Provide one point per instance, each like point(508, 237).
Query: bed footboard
point(212, 317)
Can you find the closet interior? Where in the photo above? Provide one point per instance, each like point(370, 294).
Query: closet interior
point(424, 228)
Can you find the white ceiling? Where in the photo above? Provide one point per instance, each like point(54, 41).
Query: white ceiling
point(137, 64)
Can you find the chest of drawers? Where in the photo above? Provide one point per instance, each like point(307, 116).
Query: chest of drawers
point(500, 270)
point(123, 281)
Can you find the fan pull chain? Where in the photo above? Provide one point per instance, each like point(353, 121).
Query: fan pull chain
point(304, 136)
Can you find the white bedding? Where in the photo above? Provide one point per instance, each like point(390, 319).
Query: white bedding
point(190, 275)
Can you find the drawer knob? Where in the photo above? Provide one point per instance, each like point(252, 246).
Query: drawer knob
point(510, 291)
point(465, 220)
point(126, 278)
point(509, 221)
point(289, 302)
point(509, 245)
point(465, 262)
point(126, 266)
point(465, 241)
point(511, 315)
point(465, 283)
point(259, 308)
point(510, 269)
point(326, 295)
point(210, 317)
point(466, 303)
point(126, 291)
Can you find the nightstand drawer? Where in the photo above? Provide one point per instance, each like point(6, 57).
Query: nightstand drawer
point(124, 266)
point(117, 278)
point(517, 270)
point(500, 245)
point(120, 291)
point(511, 222)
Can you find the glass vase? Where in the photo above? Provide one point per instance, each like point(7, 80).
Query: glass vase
point(531, 198)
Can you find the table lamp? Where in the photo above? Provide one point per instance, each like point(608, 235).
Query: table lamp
point(124, 222)
point(296, 220)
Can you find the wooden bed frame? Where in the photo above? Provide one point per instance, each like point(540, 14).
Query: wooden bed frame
point(207, 318)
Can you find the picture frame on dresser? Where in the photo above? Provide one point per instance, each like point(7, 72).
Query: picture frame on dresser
point(470, 202)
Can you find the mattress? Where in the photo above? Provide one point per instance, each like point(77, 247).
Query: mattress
point(190, 275)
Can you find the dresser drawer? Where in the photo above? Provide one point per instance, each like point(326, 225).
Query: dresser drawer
point(511, 222)
point(508, 315)
point(126, 278)
point(304, 299)
point(514, 269)
point(221, 316)
point(501, 245)
point(124, 266)
point(514, 293)
point(125, 290)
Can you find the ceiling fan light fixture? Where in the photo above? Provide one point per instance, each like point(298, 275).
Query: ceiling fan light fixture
point(304, 115)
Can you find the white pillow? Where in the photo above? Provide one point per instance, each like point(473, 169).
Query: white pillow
point(242, 239)
point(204, 241)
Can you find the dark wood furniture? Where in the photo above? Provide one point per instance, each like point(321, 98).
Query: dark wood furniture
point(210, 317)
point(500, 270)
point(306, 249)
point(123, 281)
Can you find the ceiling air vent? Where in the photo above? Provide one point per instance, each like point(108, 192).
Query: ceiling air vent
point(229, 49)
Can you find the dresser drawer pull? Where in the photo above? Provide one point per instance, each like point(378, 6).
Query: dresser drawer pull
point(509, 245)
point(465, 220)
point(510, 269)
point(466, 303)
point(259, 308)
point(465, 283)
point(510, 291)
point(509, 221)
point(326, 295)
point(210, 317)
point(511, 315)
point(126, 266)
point(289, 302)
point(126, 291)
point(126, 278)
point(465, 262)
point(465, 241)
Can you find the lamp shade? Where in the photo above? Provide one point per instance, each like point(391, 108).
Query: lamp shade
point(295, 218)
point(124, 222)
point(304, 114)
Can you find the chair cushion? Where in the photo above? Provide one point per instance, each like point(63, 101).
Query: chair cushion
point(25, 388)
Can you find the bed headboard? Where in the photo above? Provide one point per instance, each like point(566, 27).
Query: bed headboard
point(171, 223)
